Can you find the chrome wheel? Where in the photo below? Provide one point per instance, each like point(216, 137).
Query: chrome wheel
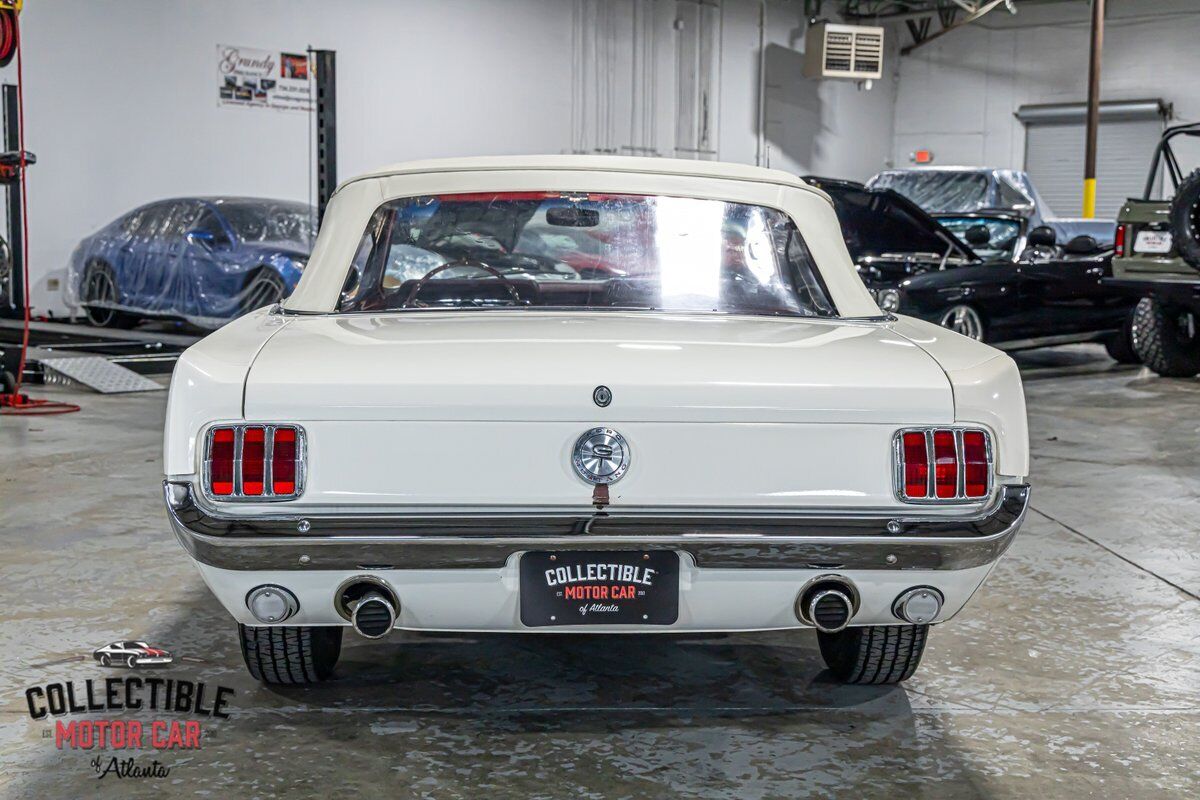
point(964, 320)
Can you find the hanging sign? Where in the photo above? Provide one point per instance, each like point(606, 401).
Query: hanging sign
point(256, 78)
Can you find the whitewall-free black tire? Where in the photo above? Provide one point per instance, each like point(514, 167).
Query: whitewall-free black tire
point(874, 654)
point(290, 654)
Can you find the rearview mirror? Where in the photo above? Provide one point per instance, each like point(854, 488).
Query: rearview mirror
point(573, 217)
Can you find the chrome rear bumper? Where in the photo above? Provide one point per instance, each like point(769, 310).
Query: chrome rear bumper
point(887, 542)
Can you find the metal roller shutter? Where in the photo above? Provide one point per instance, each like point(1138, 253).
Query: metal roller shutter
point(1054, 145)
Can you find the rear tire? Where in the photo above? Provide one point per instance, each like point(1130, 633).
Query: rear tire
point(1167, 338)
point(287, 654)
point(99, 294)
point(1120, 344)
point(875, 654)
point(1185, 219)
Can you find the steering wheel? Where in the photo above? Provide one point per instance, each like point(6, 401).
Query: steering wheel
point(411, 298)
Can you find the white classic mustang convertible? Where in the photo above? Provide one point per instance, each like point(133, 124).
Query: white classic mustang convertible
point(590, 395)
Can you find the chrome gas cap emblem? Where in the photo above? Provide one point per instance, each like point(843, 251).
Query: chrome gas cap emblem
point(601, 455)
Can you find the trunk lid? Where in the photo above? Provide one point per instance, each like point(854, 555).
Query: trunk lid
point(534, 366)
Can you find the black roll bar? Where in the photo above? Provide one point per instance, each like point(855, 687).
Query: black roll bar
point(1164, 154)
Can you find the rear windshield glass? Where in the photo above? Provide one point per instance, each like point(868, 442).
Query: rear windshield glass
point(602, 251)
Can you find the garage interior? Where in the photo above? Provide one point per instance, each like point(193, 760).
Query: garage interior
point(1074, 672)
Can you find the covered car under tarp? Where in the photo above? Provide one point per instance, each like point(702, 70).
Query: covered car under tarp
point(204, 260)
point(959, 190)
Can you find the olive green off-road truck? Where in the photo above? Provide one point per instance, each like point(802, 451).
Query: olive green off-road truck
point(1158, 257)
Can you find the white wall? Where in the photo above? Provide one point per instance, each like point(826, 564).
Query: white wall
point(957, 95)
point(121, 104)
point(629, 73)
point(831, 128)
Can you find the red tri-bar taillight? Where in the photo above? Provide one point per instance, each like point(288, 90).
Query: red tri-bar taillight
point(254, 466)
point(943, 465)
point(283, 462)
point(975, 463)
point(220, 461)
point(254, 462)
point(916, 465)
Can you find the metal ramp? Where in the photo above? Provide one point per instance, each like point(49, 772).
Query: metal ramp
point(97, 373)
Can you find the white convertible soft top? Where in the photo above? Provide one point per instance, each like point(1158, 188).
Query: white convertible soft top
point(357, 199)
point(577, 163)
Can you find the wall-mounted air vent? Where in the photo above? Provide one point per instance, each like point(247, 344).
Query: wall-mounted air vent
point(843, 51)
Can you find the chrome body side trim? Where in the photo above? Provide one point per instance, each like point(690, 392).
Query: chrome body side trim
point(874, 542)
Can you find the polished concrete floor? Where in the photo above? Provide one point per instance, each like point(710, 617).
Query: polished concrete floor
point(1074, 673)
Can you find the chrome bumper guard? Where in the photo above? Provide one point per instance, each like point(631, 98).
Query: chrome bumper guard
point(713, 542)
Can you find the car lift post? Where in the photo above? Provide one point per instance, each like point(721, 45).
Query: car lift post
point(324, 63)
point(14, 304)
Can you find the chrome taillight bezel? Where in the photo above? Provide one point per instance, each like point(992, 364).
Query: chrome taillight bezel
point(239, 431)
point(960, 495)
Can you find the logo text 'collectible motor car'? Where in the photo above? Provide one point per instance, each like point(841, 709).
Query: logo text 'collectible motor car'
point(417, 439)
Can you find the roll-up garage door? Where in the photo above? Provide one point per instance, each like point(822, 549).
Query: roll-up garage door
point(1054, 148)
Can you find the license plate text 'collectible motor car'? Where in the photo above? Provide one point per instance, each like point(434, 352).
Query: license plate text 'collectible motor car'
point(590, 395)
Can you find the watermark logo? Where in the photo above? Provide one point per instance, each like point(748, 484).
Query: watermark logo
point(83, 712)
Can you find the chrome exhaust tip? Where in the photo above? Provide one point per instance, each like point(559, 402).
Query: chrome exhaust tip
point(828, 603)
point(919, 605)
point(368, 604)
point(373, 615)
point(830, 610)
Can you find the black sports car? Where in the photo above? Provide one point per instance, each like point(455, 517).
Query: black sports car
point(982, 274)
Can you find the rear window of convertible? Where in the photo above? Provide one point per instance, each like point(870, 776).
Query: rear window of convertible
point(584, 250)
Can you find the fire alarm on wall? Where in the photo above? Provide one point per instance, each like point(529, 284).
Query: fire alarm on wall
point(921, 157)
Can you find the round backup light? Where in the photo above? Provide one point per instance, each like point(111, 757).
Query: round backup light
point(918, 606)
point(271, 604)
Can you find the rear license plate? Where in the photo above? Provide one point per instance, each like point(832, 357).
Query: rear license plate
point(602, 587)
point(1152, 242)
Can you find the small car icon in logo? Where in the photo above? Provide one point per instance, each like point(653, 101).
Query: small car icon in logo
point(131, 654)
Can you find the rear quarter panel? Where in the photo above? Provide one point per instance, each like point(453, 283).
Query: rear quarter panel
point(209, 384)
point(987, 390)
